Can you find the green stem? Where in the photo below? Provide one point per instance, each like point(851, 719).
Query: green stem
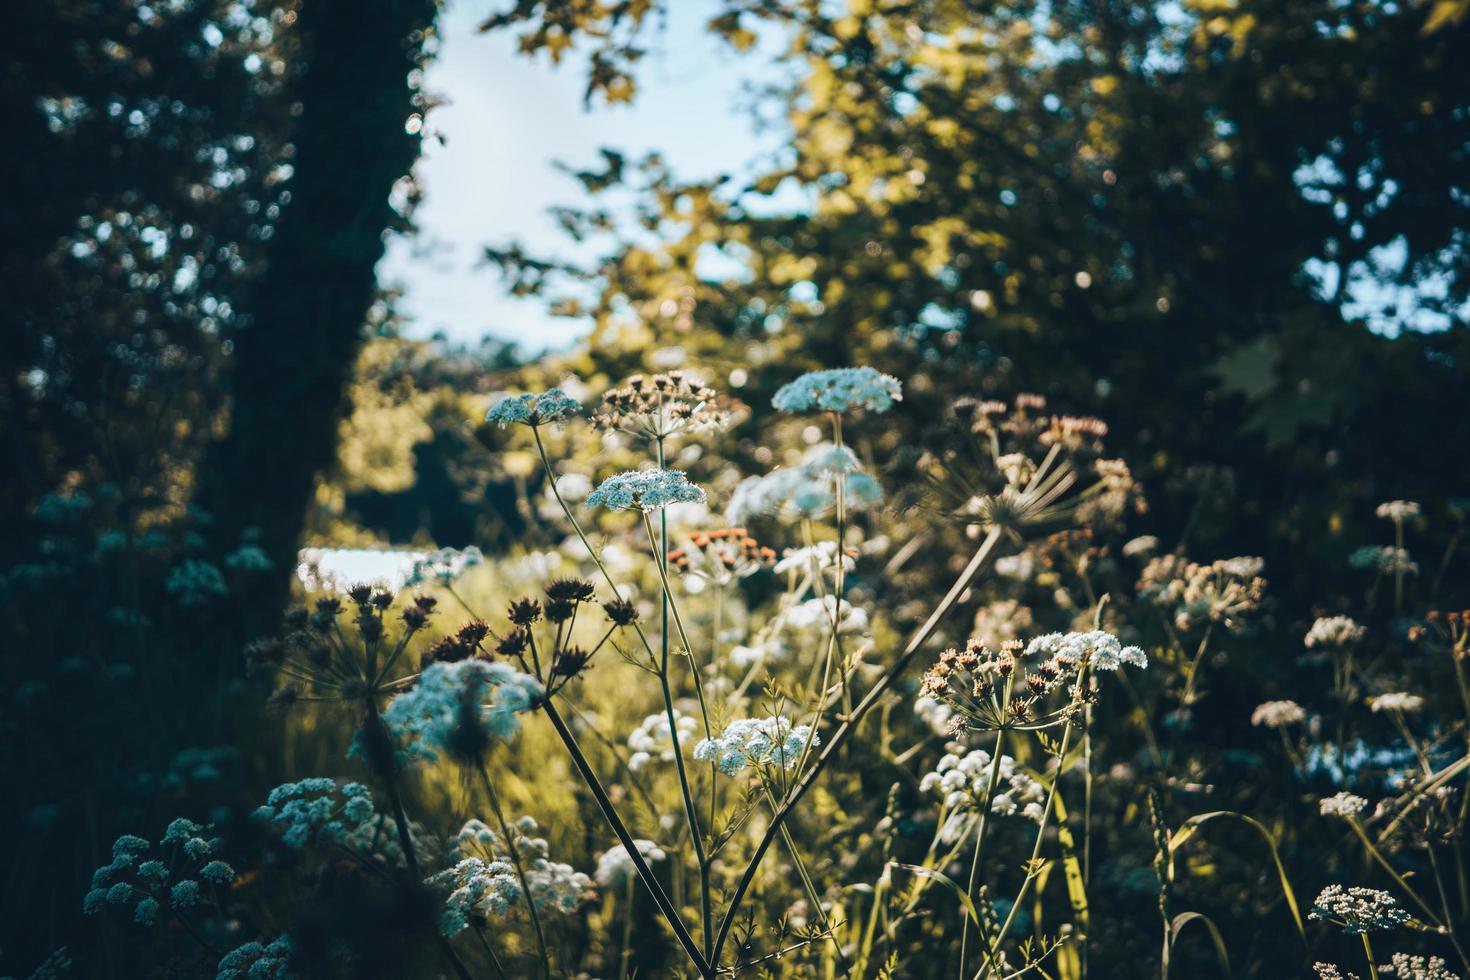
point(980, 842)
point(515, 859)
point(610, 814)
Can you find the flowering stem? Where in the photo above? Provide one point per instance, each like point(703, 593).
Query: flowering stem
point(849, 725)
point(515, 859)
point(980, 838)
point(1031, 865)
point(1368, 951)
point(610, 814)
point(690, 811)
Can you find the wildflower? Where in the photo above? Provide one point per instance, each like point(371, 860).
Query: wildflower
point(808, 490)
point(316, 809)
point(1277, 714)
point(184, 895)
point(1334, 631)
point(448, 710)
point(665, 405)
point(1099, 648)
point(258, 962)
point(1410, 967)
point(194, 582)
point(1345, 805)
point(615, 865)
point(1398, 701)
point(1141, 545)
point(1227, 592)
point(550, 406)
point(647, 490)
point(1358, 910)
point(751, 742)
point(963, 778)
point(651, 739)
point(821, 556)
point(476, 887)
point(484, 880)
point(218, 872)
point(1327, 971)
point(1398, 511)
point(721, 556)
point(1384, 559)
point(822, 612)
point(839, 390)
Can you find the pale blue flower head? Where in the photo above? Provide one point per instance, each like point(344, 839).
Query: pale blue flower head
point(808, 490)
point(550, 406)
point(756, 742)
point(647, 490)
point(311, 809)
point(838, 390)
point(433, 715)
point(256, 961)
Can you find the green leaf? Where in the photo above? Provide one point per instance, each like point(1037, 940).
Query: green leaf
point(1189, 827)
point(1185, 918)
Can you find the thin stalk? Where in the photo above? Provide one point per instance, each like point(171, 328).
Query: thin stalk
point(610, 814)
point(1036, 848)
point(515, 859)
point(691, 814)
point(980, 840)
point(1368, 951)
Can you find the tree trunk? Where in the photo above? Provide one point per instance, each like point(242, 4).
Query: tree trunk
point(305, 315)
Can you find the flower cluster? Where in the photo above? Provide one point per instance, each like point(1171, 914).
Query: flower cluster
point(1384, 559)
point(1097, 648)
point(663, 405)
point(148, 884)
point(963, 778)
point(258, 961)
point(1346, 805)
point(194, 582)
point(1408, 967)
point(821, 613)
point(645, 490)
point(839, 390)
point(819, 557)
point(808, 490)
point(1358, 910)
point(550, 406)
point(483, 883)
point(1398, 511)
point(756, 743)
point(1334, 631)
point(721, 556)
point(461, 708)
point(1396, 701)
point(615, 866)
point(1277, 714)
point(1226, 592)
point(477, 888)
point(651, 739)
point(317, 810)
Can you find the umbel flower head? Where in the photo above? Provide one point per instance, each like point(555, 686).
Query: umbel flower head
point(258, 961)
point(170, 878)
point(615, 866)
point(483, 883)
point(1358, 910)
point(317, 810)
point(550, 406)
point(461, 708)
point(838, 390)
point(808, 490)
point(756, 743)
point(646, 490)
point(664, 405)
point(1334, 631)
point(963, 778)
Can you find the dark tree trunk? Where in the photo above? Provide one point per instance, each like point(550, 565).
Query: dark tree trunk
point(306, 314)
